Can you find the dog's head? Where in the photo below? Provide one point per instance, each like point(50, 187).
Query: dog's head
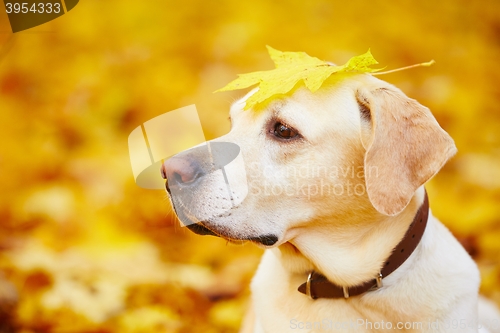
point(356, 147)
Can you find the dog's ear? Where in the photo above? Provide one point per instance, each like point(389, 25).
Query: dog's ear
point(405, 147)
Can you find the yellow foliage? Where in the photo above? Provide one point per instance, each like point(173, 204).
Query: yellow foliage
point(151, 319)
point(227, 314)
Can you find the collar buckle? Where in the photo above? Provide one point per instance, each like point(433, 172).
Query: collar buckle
point(379, 281)
point(346, 292)
point(308, 286)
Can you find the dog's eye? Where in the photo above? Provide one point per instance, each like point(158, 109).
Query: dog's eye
point(284, 132)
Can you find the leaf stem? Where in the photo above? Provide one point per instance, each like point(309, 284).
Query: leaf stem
point(424, 64)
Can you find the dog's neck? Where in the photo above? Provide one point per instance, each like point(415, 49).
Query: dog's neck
point(352, 256)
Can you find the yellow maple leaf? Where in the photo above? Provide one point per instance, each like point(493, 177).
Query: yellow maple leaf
point(293, 67)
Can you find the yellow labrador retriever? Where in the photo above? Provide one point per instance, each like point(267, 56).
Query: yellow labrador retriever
point(331, 184)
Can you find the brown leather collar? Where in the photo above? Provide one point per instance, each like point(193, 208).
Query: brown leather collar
point(317, 286)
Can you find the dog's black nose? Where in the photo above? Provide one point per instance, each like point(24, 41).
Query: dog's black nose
point(181, 170)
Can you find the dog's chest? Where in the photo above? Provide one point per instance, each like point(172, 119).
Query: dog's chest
point(280, 307)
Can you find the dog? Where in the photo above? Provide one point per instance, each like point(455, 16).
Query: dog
point(332, 186)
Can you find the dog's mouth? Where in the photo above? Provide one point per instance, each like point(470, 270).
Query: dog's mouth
point(266, 240)
point(196, 227)
point(201, 229)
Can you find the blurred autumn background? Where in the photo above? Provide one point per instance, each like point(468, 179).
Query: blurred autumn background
point(83, 249)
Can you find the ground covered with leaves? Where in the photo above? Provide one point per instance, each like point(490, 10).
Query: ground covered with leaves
point(83, 249)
